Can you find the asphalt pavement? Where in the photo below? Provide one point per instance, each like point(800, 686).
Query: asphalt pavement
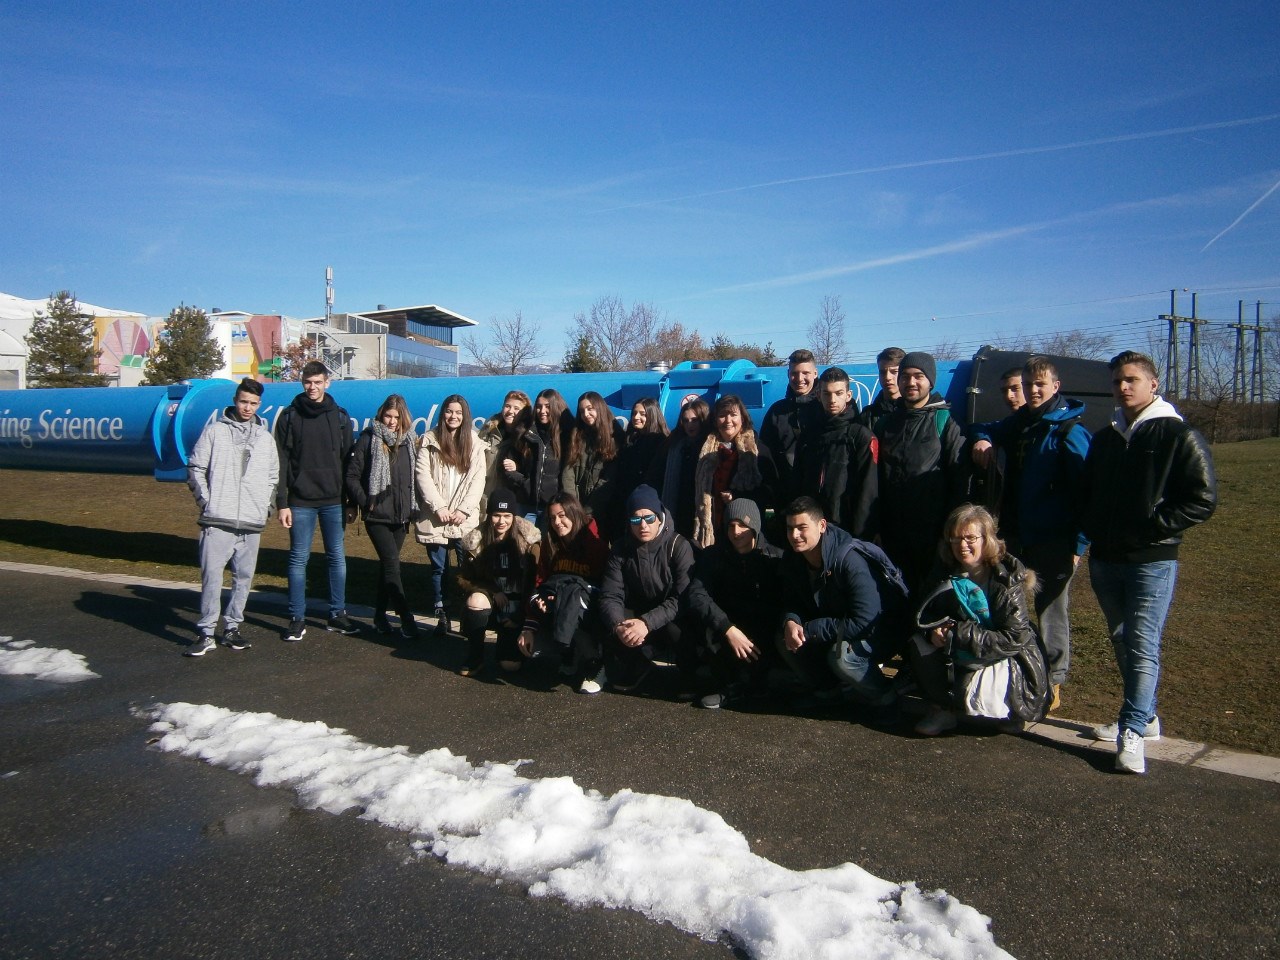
point(111, 848)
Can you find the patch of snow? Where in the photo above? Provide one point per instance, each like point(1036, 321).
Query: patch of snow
point(43, 663)
point(661, 856)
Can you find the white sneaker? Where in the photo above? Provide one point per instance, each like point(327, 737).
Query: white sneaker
point(1110, 732)
point(590, 686)
point(937, 721)
point(1131, 753)
point(203, 644)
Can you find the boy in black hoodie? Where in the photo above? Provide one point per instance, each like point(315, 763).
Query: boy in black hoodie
point(314, 439)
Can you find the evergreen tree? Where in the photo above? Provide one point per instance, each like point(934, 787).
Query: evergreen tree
point(60, 350)
point(185, 350)
point(582, 357)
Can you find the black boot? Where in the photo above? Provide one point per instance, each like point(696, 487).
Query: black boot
point(474, 623)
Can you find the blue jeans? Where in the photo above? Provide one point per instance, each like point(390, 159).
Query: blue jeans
point(437, 553)
point(1135, 599)
point(301, 534)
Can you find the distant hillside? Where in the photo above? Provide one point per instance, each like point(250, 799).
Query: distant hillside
point(475, 370)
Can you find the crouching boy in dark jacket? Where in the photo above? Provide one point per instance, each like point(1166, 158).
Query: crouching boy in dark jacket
point(647, 574)
point(735, 594)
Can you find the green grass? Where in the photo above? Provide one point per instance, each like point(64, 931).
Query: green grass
point(1221, 662)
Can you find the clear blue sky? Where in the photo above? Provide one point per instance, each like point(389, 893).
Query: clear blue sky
point(994, 166)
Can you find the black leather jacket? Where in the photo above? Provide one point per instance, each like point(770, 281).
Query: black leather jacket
point(1141, 494)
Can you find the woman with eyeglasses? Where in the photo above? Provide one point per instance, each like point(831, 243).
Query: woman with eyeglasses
point(640, 596)
point(731, 465)
point(450, 479)
point(591, 460)
point(671, 472)
point(976, 615)
point(561, 616)
point(532, 469)
point(379, 481)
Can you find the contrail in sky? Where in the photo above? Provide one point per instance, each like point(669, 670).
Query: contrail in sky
point(952, 246)
point(942, 161)
point(1253, 206)
point(970, 242)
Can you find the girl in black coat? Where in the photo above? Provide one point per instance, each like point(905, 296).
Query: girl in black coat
point(380, 482)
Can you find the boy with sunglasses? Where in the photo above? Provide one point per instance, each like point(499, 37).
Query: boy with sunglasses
point(647, 574)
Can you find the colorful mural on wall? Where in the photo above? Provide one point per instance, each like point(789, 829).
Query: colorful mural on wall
point(250, 343)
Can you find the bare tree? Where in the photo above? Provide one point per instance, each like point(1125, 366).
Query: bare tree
point(622, 339)
point(1076, 343)
point(826, 334)
point(947, 350)
point(513, 342)
point(606, 329)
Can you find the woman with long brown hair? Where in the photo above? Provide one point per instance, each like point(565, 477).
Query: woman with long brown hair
point(532, 470)
point(450, 477)
point(379, 481)
point(589, 466)
point(641, 445)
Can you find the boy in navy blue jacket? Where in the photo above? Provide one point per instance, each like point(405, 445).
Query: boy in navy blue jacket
point(1045, 447)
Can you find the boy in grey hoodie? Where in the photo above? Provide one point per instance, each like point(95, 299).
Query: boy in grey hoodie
point(232, 472)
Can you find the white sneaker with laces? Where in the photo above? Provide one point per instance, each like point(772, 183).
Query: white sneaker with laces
point(1110, 732)
point(203, 644)
point(1131, 753)
point(590, 686)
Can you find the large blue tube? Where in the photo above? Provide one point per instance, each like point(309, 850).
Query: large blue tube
point(145, 430)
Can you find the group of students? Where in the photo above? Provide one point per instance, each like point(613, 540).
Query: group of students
point(605, 550)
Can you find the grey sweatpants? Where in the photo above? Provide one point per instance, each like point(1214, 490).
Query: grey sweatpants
point(218, 548)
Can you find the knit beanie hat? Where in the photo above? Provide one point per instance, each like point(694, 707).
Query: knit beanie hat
point(502, 501)
point(923, 362)
point(745, 512)
point(644, 497)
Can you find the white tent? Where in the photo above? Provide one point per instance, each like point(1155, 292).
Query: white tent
point(16, 317)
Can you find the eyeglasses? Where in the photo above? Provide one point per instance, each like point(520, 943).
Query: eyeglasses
point(646, 519)
point(969, 540)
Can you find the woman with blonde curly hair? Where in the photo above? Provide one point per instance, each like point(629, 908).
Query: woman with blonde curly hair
point(976, 616)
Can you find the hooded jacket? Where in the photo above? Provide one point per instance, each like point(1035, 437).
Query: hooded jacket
point(590, 478)
point(784, 428)
point(729, 588)
point(921, 477)
point(646, 578)
point(1009, 634)
point(837, 465)
point(753, 478)
point(1144, 484)
point(232, 473)
point(314, 441)
point(504, 566)
point(466, 496)
point(1044, 464)
point(840, 602)
point(881, 406)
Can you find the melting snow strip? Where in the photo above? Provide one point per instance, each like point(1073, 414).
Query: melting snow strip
point(661, 856)
point(44, 663)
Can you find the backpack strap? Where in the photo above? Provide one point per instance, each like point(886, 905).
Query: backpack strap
point(940, 418)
